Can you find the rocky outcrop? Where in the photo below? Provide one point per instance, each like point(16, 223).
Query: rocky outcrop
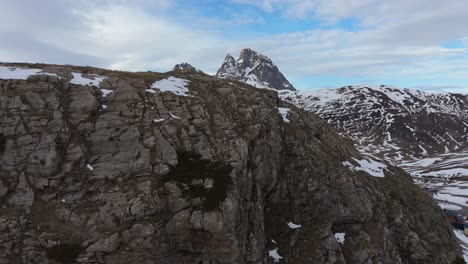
point(186, 67)
point(123, 170)
point(255, 69)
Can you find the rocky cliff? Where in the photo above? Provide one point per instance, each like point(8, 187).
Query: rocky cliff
point(255, 69)
point(114, 167)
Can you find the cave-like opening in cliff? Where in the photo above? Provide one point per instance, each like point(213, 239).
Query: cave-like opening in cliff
point(207, 180)
point(64, 253)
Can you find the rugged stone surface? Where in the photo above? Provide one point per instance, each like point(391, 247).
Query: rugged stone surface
point(255, 69)
point(186, 67)
point(138, 175)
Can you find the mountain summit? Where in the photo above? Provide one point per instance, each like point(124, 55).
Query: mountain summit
point(255, 69)
point(186, 67)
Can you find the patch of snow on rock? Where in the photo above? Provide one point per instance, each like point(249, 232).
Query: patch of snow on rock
point(464, 245)
point(90, 167)
point(20, 73)
point(78, 79)
point(105, 92)
point(172, 84)
point(174, 116)
point(274, 254)
point(294, 226)
point(372, 167)
point(340, 237)
point(284, 112)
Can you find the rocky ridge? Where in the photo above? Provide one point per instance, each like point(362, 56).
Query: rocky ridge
point(185, 67)
point(255, 69)
point(115, 167)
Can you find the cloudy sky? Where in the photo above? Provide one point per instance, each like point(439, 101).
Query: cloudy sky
point(315, 43)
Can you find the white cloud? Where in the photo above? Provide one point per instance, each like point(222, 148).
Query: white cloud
point(121, 35)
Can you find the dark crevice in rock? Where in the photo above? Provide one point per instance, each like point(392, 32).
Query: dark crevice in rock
point(207, 180)
point(64, 253)
point(3, 141)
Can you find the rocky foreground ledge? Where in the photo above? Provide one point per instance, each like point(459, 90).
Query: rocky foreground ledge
point(100, 166)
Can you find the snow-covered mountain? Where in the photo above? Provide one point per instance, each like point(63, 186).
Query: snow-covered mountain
point(394, 123)
point(255, 69)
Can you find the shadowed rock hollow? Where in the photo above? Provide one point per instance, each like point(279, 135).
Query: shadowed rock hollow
point(122, 173)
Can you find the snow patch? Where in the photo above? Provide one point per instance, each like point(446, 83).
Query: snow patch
point(274, 254)
point(174, 116)
point(172, 84)
point(340, 237)
point(294, 226)
point(20, 73)
point(90, 167)
point(453, 199)
point(158, 120)
point(424, 151)
point(105, 92)
point(449, 206)
point(448, 173)
point(284, 112)
point(78, 79)
point(372, 167)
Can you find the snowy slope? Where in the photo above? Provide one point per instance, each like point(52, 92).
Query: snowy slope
point(394, 123)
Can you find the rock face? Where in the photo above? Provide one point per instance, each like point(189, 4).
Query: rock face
point(395, 123)
point(186, 67)
point(255, 69)
point(119, 172)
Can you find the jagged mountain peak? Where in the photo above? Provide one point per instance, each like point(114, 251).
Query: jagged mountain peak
point(186, 67)
point(250, 57)
point(255, 69)
point(229, 58)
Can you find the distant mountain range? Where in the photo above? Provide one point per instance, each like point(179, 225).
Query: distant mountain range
point(395, 123)
point(386, 122)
